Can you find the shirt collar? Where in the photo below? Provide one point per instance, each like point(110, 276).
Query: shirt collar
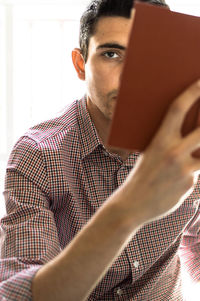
point(130, 162)
point(89, 138)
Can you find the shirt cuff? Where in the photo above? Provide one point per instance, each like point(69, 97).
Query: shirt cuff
point(18, 287)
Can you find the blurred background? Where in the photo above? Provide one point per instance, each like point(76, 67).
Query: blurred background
point(37, 78)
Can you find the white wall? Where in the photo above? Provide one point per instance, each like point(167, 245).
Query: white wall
point(37, 77)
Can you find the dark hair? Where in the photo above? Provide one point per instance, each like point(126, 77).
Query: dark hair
point(105, 8)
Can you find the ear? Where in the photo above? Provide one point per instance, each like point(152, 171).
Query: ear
point(79, 63)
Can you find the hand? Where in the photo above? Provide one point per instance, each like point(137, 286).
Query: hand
point(164, 174)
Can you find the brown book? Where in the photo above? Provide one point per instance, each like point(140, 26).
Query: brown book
point(162, 59)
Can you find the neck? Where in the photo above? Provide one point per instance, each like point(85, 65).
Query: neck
point(103, 125)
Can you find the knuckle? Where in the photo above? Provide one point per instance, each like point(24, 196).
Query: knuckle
point(198, 131)
point(194, 89)
point(172, 157)
point(176, 107)
point(158, 145)
point(190, 93)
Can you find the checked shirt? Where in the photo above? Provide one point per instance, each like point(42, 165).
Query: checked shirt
point(59, 173)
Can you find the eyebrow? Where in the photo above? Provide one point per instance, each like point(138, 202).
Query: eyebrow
point(111, 45)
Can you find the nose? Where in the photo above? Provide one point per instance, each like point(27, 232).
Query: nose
point(120, 75)
point(117, 76)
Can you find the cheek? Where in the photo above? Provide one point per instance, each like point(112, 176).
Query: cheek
point(96, 70)
point(102, 77)
point(97, 78)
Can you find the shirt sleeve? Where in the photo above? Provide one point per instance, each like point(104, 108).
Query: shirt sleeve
point(29, 236)
point(190, 248)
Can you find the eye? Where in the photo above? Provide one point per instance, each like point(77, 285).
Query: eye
point(111, 54)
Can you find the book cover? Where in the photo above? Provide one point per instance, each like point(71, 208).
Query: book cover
point(162, 60)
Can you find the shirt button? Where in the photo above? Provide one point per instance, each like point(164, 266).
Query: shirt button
point(105, 153)
point(119, 292)
point(136, 264)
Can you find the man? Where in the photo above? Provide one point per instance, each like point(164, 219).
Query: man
point(88, 222)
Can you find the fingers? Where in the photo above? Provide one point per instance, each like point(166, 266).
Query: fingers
point(188, 146)
point(132, 13)
point(180, 107)
point(191, 142)
point(195, 166)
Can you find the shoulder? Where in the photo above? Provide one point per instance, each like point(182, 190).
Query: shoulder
point(46, 137)
point(55, 128)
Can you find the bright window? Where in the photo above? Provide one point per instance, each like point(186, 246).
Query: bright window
point(44, 77)
point(191, 7)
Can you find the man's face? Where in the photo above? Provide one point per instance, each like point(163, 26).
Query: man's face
point(103, 68)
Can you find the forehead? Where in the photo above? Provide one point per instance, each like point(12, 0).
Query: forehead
point(111, 28)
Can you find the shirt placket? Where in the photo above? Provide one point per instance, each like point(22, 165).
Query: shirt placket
point(132, 250)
